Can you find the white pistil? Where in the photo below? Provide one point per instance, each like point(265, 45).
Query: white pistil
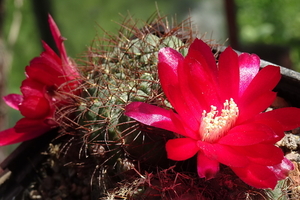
point(214, 126)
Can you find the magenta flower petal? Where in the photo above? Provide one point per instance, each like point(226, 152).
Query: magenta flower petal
point(196, 72)
point(258, 176)
point(182, 128)
point(257, 106)
point(206, 167)
point(13, 100)
point(151, 115)
point(30, 87)
point(249, 66)
point(43, 66)
point(169, 59)
point(58, 38)
point(263, 154)
point(184, 109)
point(169, 62)
point(229, 74)
point(181, 148)
point(275, 126)
point(282, 169)
point(259, 81)
point(247, 134)
point(68, 68)
point(34, 107)
point(287, 117)
point(198, 47)
point(223, 154)
point(10, 136)
point(34, 126)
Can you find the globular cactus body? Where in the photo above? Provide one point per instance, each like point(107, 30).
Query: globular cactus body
point(130, 157)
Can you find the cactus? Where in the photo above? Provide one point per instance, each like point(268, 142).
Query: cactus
point(119, 72)
point(119, 157)
point(129, 157)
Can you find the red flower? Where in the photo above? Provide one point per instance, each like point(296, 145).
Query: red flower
point(47, 78)
point(218, 111)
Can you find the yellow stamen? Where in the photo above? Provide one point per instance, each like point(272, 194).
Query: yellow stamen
point(214, 126)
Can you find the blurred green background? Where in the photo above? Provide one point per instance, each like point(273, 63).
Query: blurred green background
point(266, 27)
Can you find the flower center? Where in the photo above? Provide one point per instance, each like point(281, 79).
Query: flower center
point(214, 126)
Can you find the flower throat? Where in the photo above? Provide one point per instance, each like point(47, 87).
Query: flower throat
point(214, 126)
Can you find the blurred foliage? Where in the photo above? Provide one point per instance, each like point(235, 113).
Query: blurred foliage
point(272, 23)
point(79, 22)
